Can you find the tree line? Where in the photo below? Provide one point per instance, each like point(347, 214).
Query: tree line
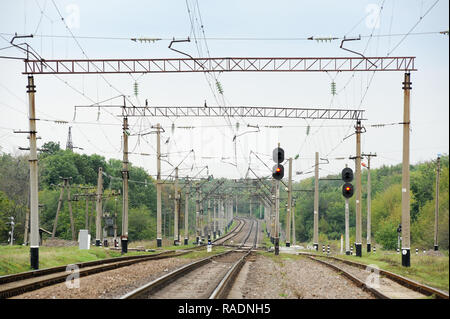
point(56, 163)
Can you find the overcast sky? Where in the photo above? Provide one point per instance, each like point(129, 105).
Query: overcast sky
point(260, 22)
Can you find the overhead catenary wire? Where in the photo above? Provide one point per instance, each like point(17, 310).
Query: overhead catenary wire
point(305, 38)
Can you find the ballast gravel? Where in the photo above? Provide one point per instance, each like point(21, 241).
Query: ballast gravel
point(296, 278)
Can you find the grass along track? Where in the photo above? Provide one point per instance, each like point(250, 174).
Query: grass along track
point(18, 283)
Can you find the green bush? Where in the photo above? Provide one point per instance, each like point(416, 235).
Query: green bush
point(387, 236)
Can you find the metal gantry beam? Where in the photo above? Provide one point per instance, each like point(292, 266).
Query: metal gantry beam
point(228, 64)
point(238, 111)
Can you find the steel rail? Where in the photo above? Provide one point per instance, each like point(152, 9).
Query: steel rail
point(223, 288)
point(406, 282)
point(16, 284)
point(231, 234)
point(17, 287)
point(352, 278)
point(46, 271)
point(163, 281)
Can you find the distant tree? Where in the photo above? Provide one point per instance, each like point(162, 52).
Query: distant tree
point(51, 148)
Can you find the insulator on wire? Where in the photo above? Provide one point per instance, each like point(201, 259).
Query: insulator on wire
point(237, 126)
point(308, 129)
point(173, 128)
point(136, 88)
point(333, 88)
point(219, 87)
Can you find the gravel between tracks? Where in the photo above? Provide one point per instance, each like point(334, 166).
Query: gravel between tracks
point(297, 278)
point(110, 284)
point(386, 286)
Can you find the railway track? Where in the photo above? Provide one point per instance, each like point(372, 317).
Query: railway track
point(380, 283)
point(232, 234)
point(16, 284)
point(208, 278)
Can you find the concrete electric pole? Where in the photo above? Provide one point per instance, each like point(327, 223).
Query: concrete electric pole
point(358, 239)
point(289, 207)
point(175, 210)
point(316, 203)
point(34, 197)
point(124, 237)
point(186, 215)
point(158, 187)
point(369, 203)
point(98, 208)
point(406, 245)
point(436, 209)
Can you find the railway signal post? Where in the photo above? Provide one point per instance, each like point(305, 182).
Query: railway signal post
point(347, 192)
point(277, 174)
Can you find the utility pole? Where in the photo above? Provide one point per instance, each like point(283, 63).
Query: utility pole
point(406, 246)
point(202, 230)
point(186, 216)
point(369, 203)
point(115, 221)
point(69, 144)
point(197, 215)
point(55, 223)
point(436, 209)
point(34, 196)
point(175, 215)
point(358, 239)
point(158, 187)
point(316, 203)
point(222, 215)
point(214, 219)
point(65, 184)
point(260, 210)
point(209, 220)
point(69, 200)
point(237, 205)
point(124, 237)
point(289, 207)
point(86, 223)
point(293, 224)
point(98, 208)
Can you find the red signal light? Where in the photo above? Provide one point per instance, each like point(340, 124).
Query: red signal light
point(347, 188)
